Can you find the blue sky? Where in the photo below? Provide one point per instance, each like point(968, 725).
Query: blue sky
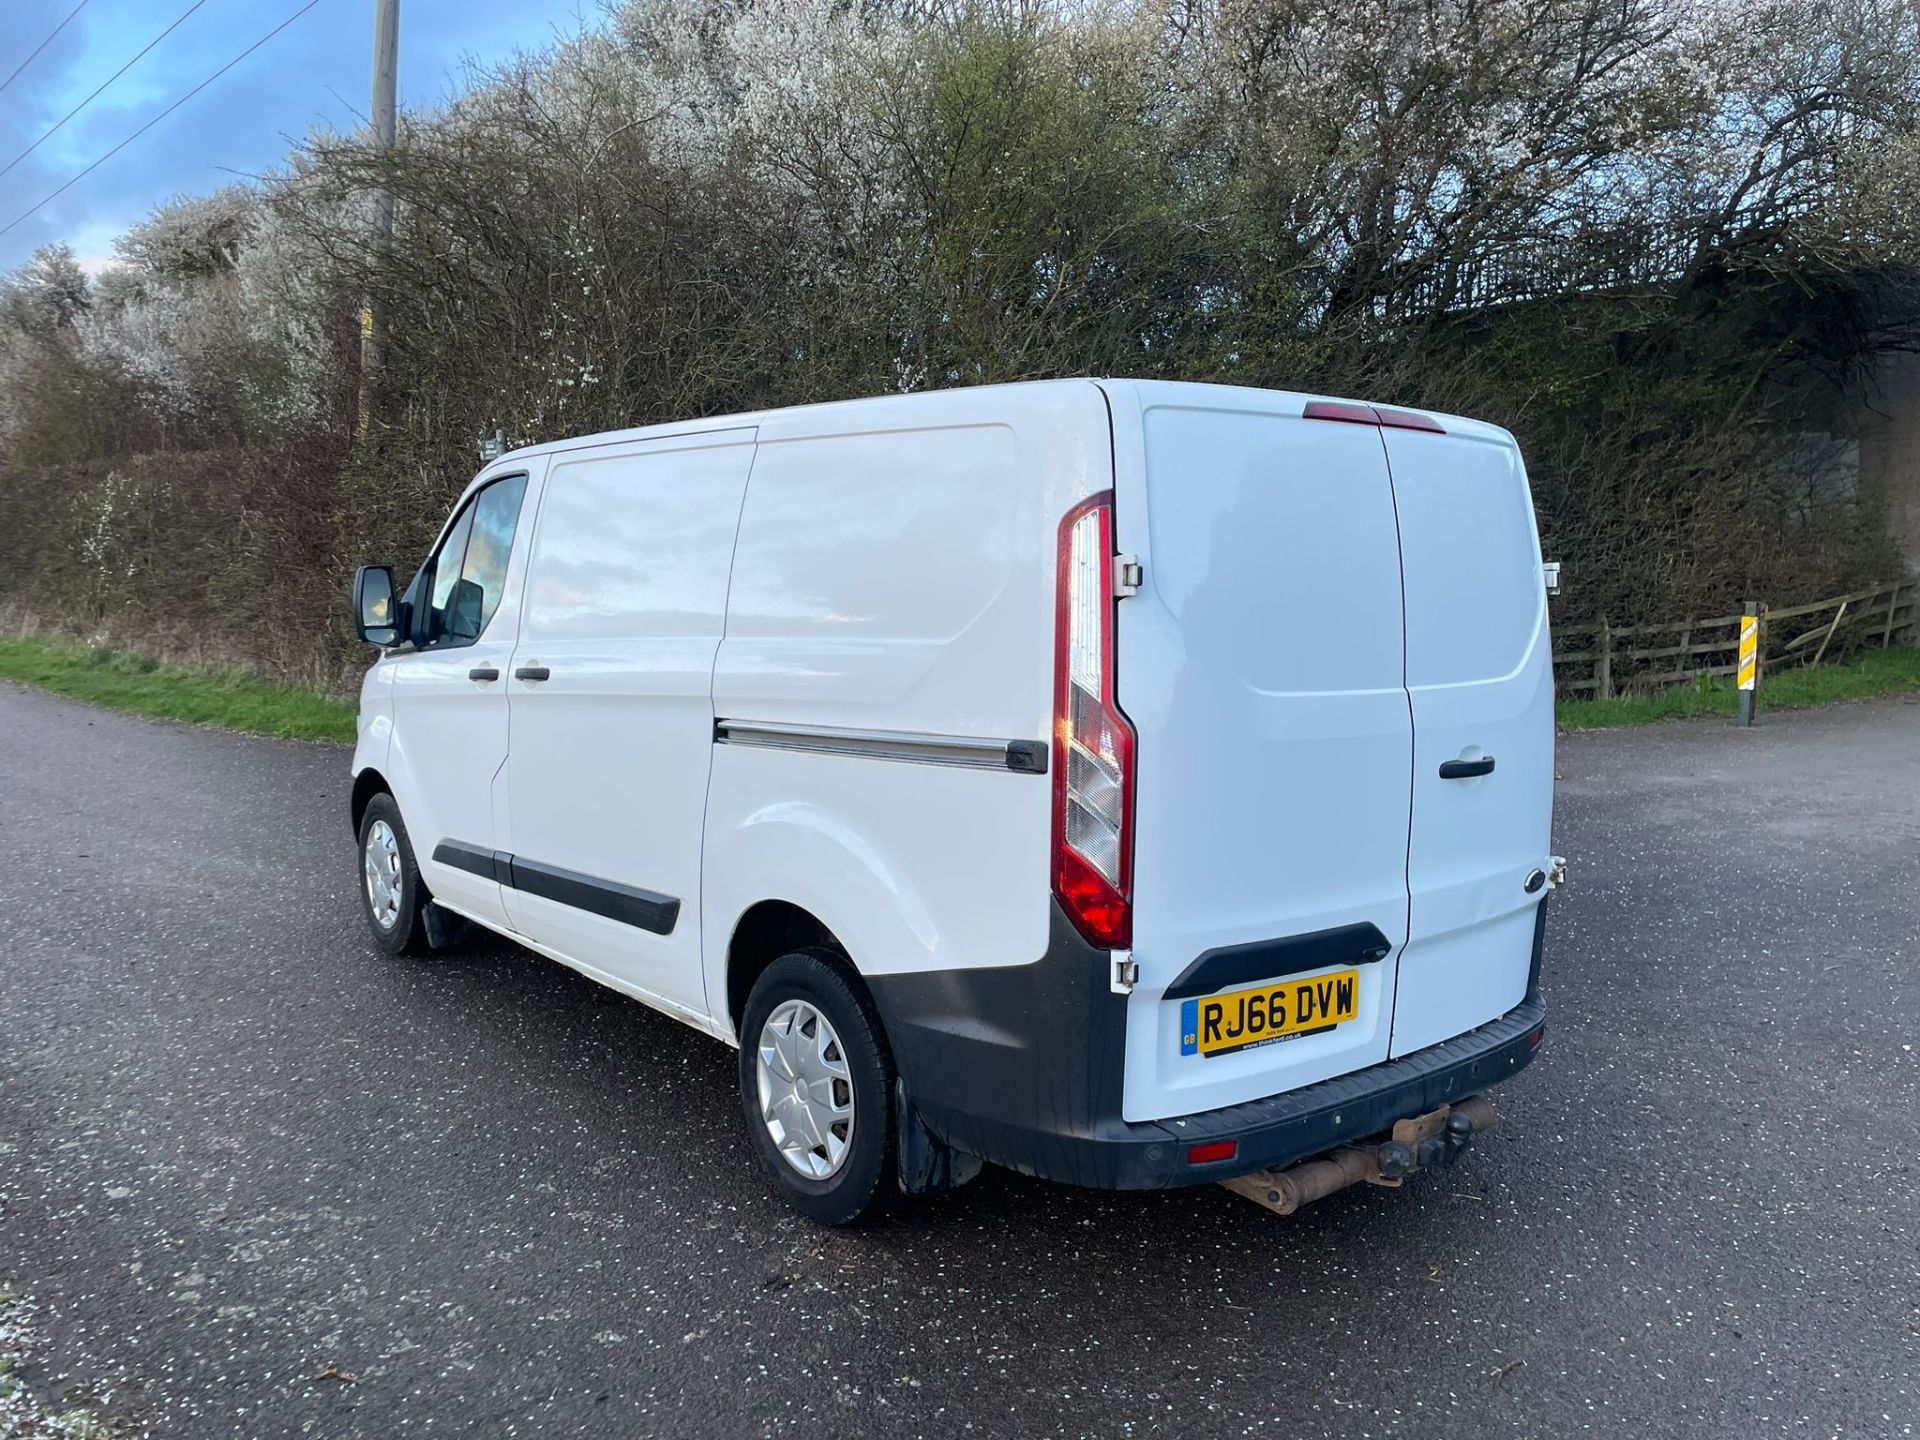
point(314, 73)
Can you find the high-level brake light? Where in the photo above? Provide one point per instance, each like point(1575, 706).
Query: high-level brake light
point(1355, 413)
point(1092, 740)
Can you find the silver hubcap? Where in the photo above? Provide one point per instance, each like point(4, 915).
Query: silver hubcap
point(383, 874)
point(806, 1089)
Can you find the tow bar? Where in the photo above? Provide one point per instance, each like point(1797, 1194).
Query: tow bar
point(1431, 1141)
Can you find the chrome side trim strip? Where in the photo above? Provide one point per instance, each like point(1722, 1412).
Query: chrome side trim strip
point(1025, 757)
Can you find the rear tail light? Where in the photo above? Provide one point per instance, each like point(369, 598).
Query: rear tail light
point(1092, 741)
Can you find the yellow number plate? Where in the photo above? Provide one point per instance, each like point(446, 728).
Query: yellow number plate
point(1240, 1019)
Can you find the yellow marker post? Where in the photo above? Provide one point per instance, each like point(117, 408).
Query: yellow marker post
point(1748, 674)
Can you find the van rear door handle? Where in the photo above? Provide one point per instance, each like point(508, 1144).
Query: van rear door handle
point(483, 672)
point(1466, 769)
point(532, 672)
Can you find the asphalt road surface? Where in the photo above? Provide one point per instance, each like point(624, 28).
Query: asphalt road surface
point(240, 1149)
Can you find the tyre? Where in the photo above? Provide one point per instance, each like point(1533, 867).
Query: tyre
point(391, 892)
point(816, 1085)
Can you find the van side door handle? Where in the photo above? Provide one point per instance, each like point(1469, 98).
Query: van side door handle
point(483, 672)
point(1466, 769)
point(532, 672)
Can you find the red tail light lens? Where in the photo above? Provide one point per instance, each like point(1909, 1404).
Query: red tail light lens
point(1092, 741)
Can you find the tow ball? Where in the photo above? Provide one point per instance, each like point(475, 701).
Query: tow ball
point(1431, 1141)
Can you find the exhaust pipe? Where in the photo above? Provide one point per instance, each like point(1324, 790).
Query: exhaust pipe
point(1286, 1191)
point(1426, 1142)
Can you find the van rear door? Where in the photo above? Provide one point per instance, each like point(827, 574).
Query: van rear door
point(1480, 678)
point(1262, 665)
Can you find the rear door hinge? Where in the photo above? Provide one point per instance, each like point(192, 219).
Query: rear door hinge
point(1125, 973)
point(1126, 576)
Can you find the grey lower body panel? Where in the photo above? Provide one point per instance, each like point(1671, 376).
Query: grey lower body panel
point(1022, 1066)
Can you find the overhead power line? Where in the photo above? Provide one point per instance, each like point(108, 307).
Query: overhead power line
point(41, 46)
point(108, 81)
point(46, 200)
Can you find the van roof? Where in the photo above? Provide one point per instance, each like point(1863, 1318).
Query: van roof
point(960, 404)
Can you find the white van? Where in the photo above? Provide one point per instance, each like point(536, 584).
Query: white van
point(1130, 783)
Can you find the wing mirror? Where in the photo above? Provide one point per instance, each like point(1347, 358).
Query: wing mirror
point(376, 609)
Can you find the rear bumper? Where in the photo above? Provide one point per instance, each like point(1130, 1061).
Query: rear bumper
point(1276, 1132)
point(1022, 1066)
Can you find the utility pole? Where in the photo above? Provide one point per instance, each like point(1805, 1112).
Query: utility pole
point(373, 320)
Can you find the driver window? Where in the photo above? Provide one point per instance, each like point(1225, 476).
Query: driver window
point(446, 571)
point(484, 573)
point(470, 569)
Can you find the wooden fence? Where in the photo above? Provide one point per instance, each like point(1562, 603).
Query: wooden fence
point(1607, 660)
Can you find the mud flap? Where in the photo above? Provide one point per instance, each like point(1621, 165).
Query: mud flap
point(444, 928)
point(928, 1165)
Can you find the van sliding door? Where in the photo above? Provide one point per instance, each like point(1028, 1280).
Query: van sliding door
point(611, 707)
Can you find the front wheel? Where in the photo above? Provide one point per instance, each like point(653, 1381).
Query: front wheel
point(816, 1085)
point(391, 894)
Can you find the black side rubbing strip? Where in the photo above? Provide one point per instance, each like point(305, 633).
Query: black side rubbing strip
point(1360, 944)
point(628, 904)
point(469, 858)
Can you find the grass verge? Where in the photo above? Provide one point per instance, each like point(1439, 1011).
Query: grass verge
point(229, 699)
point(233, 700)
point(1870, 673)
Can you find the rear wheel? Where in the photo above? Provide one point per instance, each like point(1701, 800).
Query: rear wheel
point(391, 893)
point(816, 1085)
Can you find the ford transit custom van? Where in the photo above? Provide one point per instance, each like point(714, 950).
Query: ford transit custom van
point(1134, 784)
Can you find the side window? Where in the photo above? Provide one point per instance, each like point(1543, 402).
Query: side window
point(496, 514)
point(470, 569)
point(446, 572)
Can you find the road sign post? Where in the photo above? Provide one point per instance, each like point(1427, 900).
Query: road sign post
point(1749, 666)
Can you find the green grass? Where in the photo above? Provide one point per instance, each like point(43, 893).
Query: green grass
point(229, 699)
point(1870, 673)
point(233, 700)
